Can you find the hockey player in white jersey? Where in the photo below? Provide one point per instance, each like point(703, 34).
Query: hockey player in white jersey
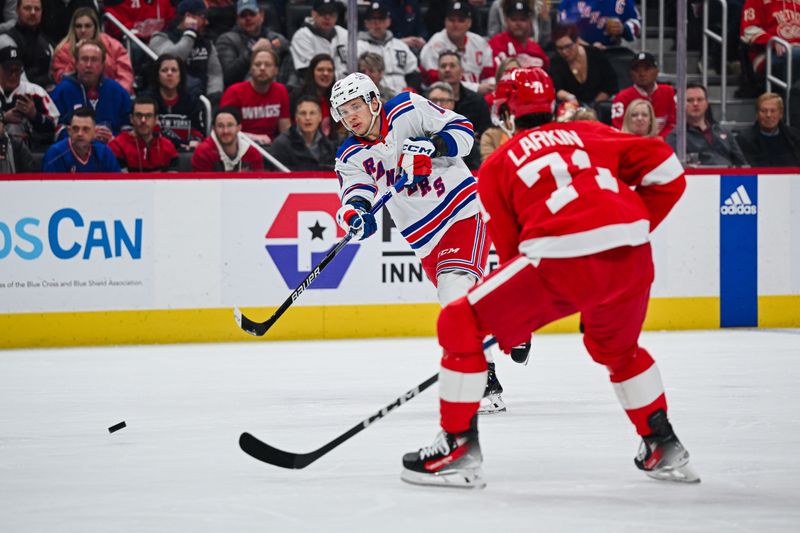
point(437, 211)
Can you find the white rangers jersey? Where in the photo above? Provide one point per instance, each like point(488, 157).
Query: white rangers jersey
point(306, 44)
point(476, 58)
point(398, 59)
point(422, 213)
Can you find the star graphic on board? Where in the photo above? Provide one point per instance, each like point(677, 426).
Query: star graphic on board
point(316, 231)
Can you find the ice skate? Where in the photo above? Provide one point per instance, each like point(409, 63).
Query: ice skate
point(661, 455)
point(520, 354)
point(492, 401)
point(453, 460)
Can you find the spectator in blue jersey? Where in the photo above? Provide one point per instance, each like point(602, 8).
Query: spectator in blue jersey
point(80, 152)
point(90, 87)
point(602, 23)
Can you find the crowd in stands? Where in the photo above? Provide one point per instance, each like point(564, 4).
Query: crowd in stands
point(233, 85)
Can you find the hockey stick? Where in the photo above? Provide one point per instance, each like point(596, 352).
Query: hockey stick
point(258, 329)
point(262, 451)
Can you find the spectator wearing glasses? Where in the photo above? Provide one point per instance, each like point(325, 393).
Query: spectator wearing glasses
point(186, 38)
point(86, 25)
point(262, 101)
point(235, 47)
point(769, 142)
point(143, 149)
point(441, 94)
point(226, 149)
point(580, 73)
point(89, 87)
point(80, 152)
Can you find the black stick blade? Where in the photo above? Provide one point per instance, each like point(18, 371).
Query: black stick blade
point(257, 329)
point(262, 451)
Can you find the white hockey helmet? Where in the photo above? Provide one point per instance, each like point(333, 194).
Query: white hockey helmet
point(353, 86)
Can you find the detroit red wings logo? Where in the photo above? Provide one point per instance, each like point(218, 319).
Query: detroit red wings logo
point(479, 57)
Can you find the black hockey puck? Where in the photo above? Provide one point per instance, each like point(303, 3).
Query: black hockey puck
point(117, 427)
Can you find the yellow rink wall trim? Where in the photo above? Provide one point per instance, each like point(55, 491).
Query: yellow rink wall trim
point(31, 330)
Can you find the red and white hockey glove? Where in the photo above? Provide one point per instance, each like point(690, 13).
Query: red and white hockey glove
point(415, 159)
point(355, 217)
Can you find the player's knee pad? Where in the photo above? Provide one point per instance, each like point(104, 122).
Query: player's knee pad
point(451, 286)
point(458, 329)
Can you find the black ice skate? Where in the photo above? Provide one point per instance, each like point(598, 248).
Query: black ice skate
point(661, 454)
point(453, 460)
point(520, 354)
point(492, 402)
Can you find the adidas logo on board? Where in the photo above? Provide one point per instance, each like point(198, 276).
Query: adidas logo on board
point(738, 203)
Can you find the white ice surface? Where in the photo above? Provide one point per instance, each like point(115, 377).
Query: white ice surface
point(561, 459)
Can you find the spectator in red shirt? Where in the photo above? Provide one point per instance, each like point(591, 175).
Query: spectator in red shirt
point(143, 149)
point(262, 101)
point(517, 40)
point(226, 149)
point(644, 72)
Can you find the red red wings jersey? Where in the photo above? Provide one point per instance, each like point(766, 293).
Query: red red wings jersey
point(503, 46)
point(762, 19)
point(577, 188)
point(663, 100)
point(260, 112)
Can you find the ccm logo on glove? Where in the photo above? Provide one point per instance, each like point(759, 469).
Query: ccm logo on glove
point(415, 159)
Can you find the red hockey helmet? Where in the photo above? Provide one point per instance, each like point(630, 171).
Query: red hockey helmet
point(526, 91)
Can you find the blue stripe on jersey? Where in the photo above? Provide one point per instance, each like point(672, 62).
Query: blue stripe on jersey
point(424, 240)
point(360, 187)
point(452, 147)
point(352, 146)
point(439, 208)
point(401, 112)
point(459, 128)
point(396, 101)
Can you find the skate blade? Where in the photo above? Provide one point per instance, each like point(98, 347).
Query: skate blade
point(492, 405)
point(457, 479)
point(679, 474)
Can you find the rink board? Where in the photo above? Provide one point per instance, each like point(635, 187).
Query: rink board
point(97, 261)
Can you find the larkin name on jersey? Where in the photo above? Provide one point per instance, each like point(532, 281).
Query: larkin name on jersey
point(424, 212)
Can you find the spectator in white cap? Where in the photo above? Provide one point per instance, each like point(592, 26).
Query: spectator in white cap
point(235, 47)
point(401, 69)
point(26, 109)
point(320, 35)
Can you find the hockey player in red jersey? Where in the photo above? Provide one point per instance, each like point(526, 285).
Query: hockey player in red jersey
point(570, 208)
